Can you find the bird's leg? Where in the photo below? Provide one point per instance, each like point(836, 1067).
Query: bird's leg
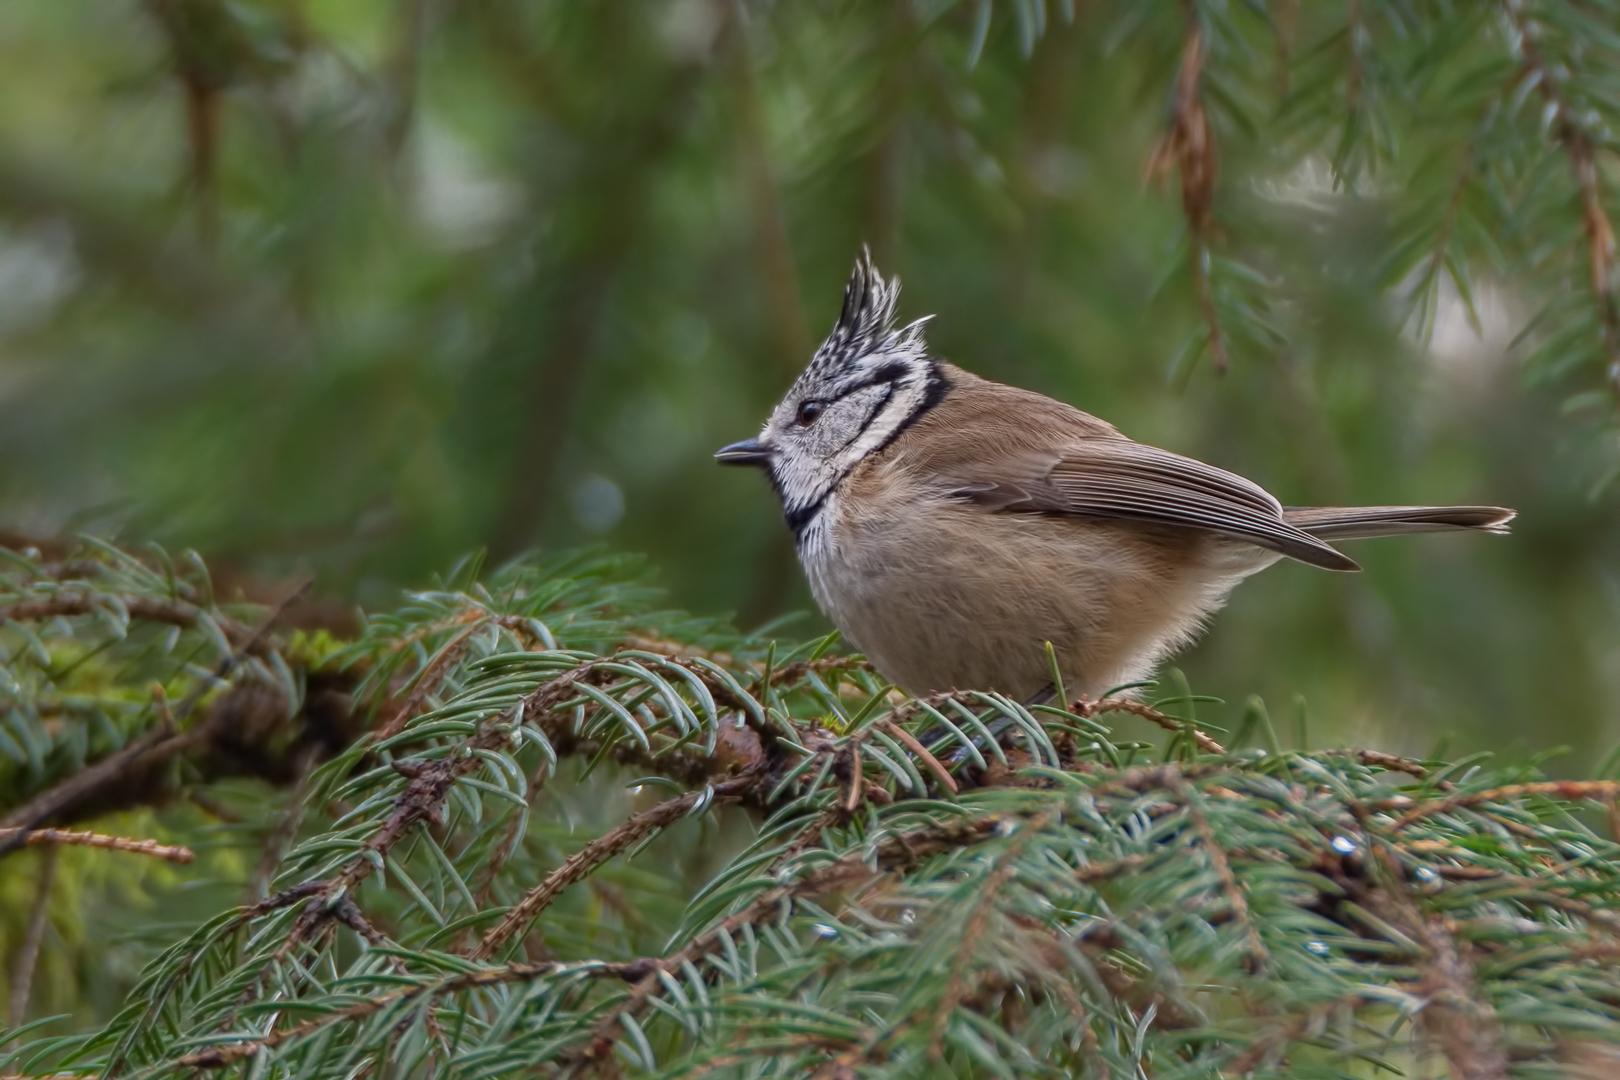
point(1042, 696)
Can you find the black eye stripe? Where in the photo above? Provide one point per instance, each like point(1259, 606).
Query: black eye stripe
point(887, 373)
point(866, 421)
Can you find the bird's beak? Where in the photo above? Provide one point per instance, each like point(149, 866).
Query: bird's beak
point(747, 452)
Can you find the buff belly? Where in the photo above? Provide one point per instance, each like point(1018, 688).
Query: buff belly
point(951, 597)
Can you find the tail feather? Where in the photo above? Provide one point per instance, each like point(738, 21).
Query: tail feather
point(1351, 522)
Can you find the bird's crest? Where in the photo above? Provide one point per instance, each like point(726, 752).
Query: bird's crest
point(865, 333)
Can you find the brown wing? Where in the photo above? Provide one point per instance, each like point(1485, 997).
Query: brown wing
point(1117, 478)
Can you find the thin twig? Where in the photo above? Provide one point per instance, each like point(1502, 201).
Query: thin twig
point(1188, 145)
point(1573, 790)
point(59, 837)
point(984, 906)
point(255, 641)
point(1390, 762)
point(1223, 870)
point(285, 830)
point(577, 866)
point(154, 746)
point(431, 678)
point(22, 977)
point(1091, 709)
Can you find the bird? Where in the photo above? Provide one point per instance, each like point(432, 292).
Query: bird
point(968, 535)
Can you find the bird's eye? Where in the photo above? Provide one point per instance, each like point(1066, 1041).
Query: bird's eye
point(809, 410)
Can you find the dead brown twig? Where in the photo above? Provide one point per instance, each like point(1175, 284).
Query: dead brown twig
point(1188, 145)
point(928, 759)
point(1389, 762)
point(857, 778)
point(66, 837)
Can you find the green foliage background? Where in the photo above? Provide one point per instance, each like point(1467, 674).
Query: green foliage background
point(466, 274)
point(347, 288)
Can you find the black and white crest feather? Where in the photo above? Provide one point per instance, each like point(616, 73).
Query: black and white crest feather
point(865, 385)
point(864, 334)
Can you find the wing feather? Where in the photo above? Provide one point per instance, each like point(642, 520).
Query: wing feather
point(1118, 478)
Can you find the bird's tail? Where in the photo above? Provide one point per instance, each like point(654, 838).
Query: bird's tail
point(1351, 522)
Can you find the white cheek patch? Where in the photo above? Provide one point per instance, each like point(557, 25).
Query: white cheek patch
point(807, 483)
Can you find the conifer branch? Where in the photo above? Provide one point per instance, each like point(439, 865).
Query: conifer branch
point(431, 678)
point(845, 874)
point(428, 786)
point(1582, 153)
point(216, 1057)
point(1216, 854)
point(579, 865)
point(1045, 904)
point(76, 604)
point(1573, 790)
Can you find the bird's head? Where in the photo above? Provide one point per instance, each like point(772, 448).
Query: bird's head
point(863, 386)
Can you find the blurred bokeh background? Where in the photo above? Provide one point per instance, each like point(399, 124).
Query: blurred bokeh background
point(350, 287)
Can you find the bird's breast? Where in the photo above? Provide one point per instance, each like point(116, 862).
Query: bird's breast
point(941, 595)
